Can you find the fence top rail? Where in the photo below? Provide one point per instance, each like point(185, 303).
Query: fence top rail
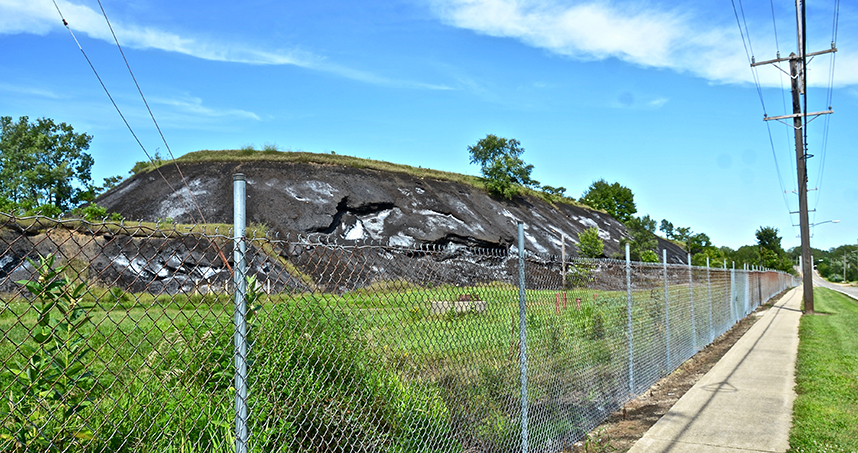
point(166, 228)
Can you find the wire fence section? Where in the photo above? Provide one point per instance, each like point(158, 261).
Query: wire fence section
point(123, 338)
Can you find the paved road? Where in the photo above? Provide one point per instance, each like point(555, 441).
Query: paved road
point(851, 291)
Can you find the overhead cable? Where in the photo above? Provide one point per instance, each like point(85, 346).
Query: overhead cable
point(151, 115)
point(112, 101)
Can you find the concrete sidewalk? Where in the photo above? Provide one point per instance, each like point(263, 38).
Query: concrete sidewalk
point(744, 403)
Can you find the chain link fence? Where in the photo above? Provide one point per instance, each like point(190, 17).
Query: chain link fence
point(135, 337)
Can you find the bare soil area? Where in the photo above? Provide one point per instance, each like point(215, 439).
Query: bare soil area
point(624, 427)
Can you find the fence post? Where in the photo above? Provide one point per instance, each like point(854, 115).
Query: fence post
point(709, 297)
point(733, 307)
point(666, 311)
point(629, 311)
point(691, 303)
point(240, 356)
point(747, 293)
point(522, 329)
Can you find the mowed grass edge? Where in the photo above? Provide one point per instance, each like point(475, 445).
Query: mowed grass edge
point(826, 407)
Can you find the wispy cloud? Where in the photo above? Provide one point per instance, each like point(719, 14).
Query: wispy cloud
point(41, 17)
point(641, 33)
point(28, 90)
point(194, 105)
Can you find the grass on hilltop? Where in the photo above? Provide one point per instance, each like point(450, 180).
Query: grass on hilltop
point(826, 407)
point(272, 154)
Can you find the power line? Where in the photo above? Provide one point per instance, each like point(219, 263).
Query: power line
point(829, 101)
point(798, 82)
point(749, 54)
point(112, 101)
point(130, 129)
point(151, 115)
point(783, 94)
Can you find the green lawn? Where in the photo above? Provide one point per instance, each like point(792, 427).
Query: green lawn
point(825, 414)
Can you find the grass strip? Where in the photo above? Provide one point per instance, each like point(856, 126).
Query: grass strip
point(826, 407)
point(250, 155)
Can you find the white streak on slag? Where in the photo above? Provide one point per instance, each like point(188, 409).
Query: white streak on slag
point(401, 240)
point(535, 244)
point(182, 200)
point(354, 232)
point(318, 192)
point(374, 223)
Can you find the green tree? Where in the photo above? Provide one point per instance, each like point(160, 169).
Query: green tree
point(697, 243)
point(682, 234)
point(715, 255)
point(552, 194)
point(110, 183)
point(615, 199)
point(772, 255)
point(641, 240)
point(746, 254)
point(43, 165)
point(590, 245)
point(666, 228)
point(648, 223)
point(767, 238)
point(501, 164)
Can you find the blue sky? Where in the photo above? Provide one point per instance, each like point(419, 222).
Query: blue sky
point(656, 95)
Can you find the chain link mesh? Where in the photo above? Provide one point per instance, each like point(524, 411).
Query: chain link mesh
point(131, 346)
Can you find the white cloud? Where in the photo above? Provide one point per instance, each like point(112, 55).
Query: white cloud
point(195, 106)
point(636, 32)
point(41, 17)
point(28, 90)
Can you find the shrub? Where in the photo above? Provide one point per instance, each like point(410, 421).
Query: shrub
point(590, 245)
point(53, 382)
point(320, 384)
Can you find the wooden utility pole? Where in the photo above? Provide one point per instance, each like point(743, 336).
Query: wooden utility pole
point(801, 167)
point(798, 73)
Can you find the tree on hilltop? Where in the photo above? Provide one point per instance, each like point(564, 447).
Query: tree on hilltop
point(501, 164)
point(642, 241)
point(615, 199)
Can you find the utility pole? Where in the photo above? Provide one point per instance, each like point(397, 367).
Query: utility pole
point(798, 76)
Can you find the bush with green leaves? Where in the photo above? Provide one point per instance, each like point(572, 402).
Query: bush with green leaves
point(649, 256)
point(579, 274)
point(641, 240)
point(53, 382)
point(590, 245)
point(318, 383)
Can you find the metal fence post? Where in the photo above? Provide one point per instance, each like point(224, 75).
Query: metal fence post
point(709, 298)
point(240, 356)
point(629, 311)
point(666, 311)
point(747, 293)
point(691, 303)
point(522, 329)
point(733, 307)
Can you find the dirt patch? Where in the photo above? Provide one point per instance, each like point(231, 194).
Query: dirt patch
point(624, 427)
